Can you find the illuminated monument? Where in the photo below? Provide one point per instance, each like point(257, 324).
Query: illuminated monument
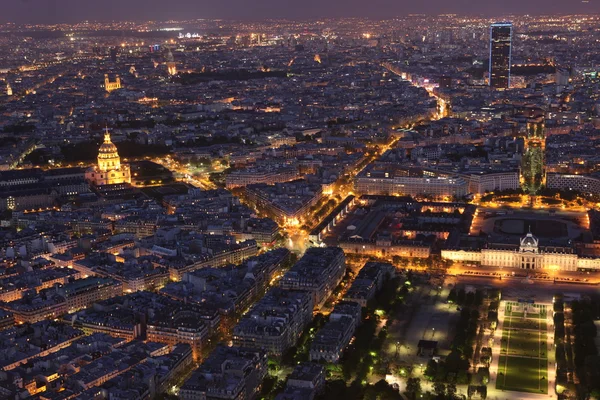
point(110, 86)
point(533, 163)
point(9, 91)
point(171, 66)
point(500, 55)
point(109, 170)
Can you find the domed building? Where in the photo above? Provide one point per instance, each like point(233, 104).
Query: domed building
point(109, 170)
point(528, 255)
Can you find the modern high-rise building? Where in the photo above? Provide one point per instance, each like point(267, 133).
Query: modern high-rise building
point(500, 54)
point(114, 52)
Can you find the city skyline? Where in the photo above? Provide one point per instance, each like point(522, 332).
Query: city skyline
point(71, 11)
point(299, 209)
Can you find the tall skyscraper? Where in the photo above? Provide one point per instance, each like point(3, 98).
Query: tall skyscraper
point(500, 54)
point(114, 51)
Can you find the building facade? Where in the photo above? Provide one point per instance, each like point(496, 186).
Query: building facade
point(275, 322)
point(581, 183)
point(527, 255)
point(229, 373)
point(479, 184)
point(110, 86)
point(319, 271)
point(391, 180)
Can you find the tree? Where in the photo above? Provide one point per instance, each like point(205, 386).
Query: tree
point(440, 389)
point(478, 298)
point(452, 296)
point(334, 390)
point(460, 299)
point(469, 299)
point(451, 390)
point(268, 385)
point(273, 365)
point(431, 370)
point(413, 387)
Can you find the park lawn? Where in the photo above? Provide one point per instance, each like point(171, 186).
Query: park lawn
point(522, 374)
point(523, 359)
point(525, 343)
point(528, 323)
point(516, 314)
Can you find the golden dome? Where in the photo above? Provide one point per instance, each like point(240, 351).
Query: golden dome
point(107, 148)
point(108, 155)
point(109, 170)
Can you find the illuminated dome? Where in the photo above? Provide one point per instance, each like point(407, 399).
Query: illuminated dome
point(109, 170)
point(529, 242)
point(108, 155)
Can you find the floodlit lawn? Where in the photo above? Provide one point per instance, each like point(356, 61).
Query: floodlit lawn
point(522, 374)
point(527, 323)
point(524, 343)
point(523, 362)
point(516, 314)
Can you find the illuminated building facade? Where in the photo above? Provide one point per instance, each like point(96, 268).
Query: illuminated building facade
point(390, 180)
point(109, 170)
point(532, 163)
point(110, 86)
point(586, 184)
point(500, 55)
point(9, 91)
point(527, 255)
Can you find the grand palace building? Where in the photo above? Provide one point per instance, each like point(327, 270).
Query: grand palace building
point(528, 254)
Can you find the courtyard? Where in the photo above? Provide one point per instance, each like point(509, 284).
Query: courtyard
point(539, 227)
point(509, 225)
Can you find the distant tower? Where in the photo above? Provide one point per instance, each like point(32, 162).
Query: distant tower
point(171, 66)
point(561, 79)
point(114, 51)
point(500, 55)
point(9, 91)
point(110, 86)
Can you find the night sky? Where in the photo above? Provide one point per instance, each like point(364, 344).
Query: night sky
point(49, 11)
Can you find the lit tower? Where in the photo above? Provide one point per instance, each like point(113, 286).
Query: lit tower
point(500, 54)
point(9, 91)
point(171, 66)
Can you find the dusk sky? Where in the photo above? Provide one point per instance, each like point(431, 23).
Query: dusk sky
point(48, 11)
